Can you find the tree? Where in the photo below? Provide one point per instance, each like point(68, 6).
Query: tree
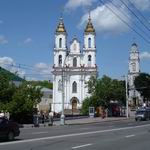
point(7, 90)
point(103, 91)
point(24, 101)
point(142, 84)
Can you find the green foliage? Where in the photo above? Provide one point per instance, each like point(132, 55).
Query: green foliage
point(10, 76)
point(142, 84)
point(19, 101)
point(103, 91)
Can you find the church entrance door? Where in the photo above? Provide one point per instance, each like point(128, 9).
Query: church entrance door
point(74, 105)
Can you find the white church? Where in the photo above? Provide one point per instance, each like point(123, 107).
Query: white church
point(135, 98)
point(73, 66)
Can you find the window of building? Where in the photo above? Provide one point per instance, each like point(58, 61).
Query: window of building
point(60, 59)
point(134, 67)
point(89, 60)
point(74, 87)
point(60, 42)
point(74, 62)
point(89, 42)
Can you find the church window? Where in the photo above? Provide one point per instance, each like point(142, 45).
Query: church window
point(59, 85)
point(74, 62)
point(60, 59)
point(60, 43)
point(89, 57)
point(89, 42)
point(89, 60)
point(74, 87)
point(134, 67)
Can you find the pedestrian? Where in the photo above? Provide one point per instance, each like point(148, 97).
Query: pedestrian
point(51, 115)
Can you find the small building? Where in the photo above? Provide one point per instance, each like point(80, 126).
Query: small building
point(46, 101)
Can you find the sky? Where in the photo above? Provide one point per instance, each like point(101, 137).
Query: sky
point(27, 31)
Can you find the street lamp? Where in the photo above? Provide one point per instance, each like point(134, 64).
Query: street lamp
point(127, 99)
point(62, 118)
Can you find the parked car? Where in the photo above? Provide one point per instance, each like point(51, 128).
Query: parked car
point(8, 129)
point(142, 114)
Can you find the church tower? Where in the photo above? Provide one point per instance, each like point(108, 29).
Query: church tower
point(134, 70)
point(60, 52)
point(60, 48)
point(89, 49)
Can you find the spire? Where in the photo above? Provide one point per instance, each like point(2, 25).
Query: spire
point(61, 27)
point(89, 27)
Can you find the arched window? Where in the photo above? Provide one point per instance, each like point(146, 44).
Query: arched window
point(74, 87)
point(133, 66)
point(89, 42)
point(89, 57)
point(60, 42)
point(89, 60)
point(60, 59)
point(74, 62)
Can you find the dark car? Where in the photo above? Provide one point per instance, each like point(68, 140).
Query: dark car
point(8, 129)
point(142, 114)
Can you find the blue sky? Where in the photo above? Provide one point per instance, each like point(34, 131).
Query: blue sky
point(27, 34)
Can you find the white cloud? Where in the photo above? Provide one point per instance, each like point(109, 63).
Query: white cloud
point(141, 4)
point(27, 41)
point(44, 70)
point(3, 40)
point(145, 55)
point(105, 21)
point(10, 65)
point(73, 4)
point(41, 66)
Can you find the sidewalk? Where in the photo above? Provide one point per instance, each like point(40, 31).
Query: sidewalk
point(81, 121)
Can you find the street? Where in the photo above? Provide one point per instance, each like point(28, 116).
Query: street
point(121, 135)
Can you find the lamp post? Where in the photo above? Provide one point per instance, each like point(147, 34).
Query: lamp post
point(127, 102)
point(62, 118)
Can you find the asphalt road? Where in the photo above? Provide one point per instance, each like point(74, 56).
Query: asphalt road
point(117, 135)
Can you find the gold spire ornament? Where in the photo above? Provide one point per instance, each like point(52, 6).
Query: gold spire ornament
point(89, 27)
point(61, 27)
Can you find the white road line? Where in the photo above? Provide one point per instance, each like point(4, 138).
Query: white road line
point(81, 146)
point(39, 132)
point(73, 135)
point(128, 136)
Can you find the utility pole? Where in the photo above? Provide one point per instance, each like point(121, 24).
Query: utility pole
point(62, 118)
point(127, 102)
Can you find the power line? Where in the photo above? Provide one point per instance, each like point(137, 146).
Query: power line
point(137, 26)
point(139, 12)
point(125, 22)
point(135, 15)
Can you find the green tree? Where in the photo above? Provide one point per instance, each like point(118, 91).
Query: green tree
point(103, 91)
point(142, 84)
point(24, 102)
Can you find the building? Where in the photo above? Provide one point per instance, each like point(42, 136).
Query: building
point(135, 98)
point(72, 68)
point(46, 101)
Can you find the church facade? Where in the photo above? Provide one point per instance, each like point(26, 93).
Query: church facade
point(73, 66)
point(135, 98)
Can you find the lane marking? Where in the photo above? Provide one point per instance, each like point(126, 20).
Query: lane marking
point(73, 135)
point(38, 132)
point(85, 145)
point(128, 136)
